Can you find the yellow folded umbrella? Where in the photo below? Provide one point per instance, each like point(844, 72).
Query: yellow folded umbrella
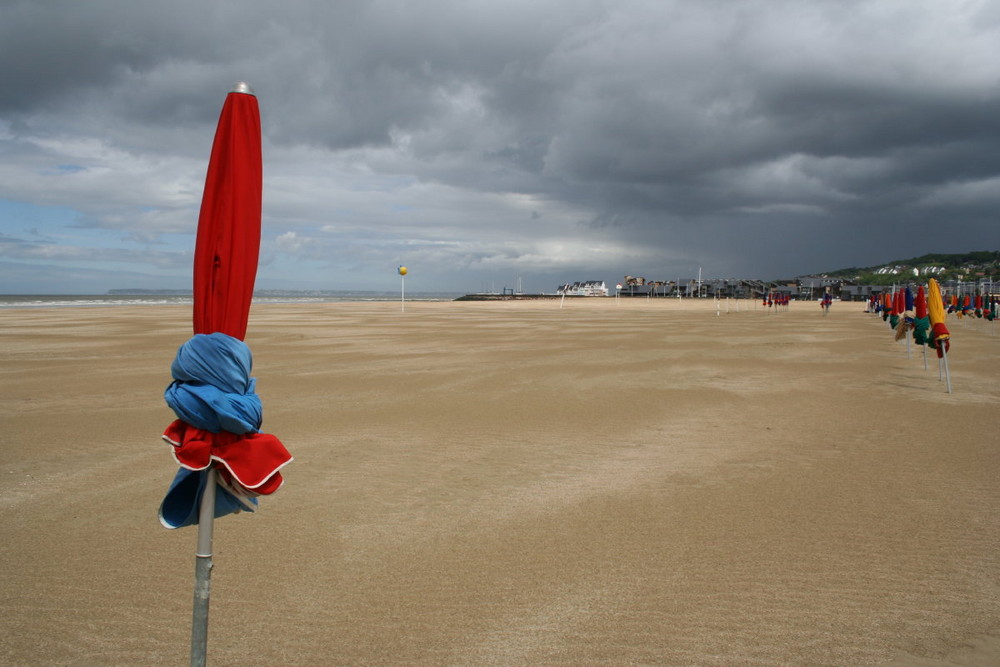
point(935, 312)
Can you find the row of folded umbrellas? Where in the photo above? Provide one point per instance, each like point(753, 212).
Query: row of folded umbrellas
point(922, 312)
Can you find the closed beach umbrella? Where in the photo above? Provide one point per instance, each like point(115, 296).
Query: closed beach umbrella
point(921, 323)
point(895, 309)
point(940, 335)
point(216, 438)
point(905, 298)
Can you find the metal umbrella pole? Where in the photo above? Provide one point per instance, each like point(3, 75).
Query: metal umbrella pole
point(203, 572)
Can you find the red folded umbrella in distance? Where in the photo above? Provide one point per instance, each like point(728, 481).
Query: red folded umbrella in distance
point(920, 303)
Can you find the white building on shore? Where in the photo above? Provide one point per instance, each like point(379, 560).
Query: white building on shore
point(583, 288)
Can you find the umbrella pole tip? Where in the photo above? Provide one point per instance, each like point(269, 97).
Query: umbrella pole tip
point(242, 87)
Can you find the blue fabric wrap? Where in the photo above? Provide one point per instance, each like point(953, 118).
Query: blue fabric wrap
point(212, 388)
point(180, 506)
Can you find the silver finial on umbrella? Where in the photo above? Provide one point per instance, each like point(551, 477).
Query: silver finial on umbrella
point(242, 87)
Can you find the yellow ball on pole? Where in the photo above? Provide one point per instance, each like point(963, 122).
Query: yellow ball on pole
point(402, 270)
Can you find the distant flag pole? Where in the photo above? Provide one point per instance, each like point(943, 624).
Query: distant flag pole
point(402, 288)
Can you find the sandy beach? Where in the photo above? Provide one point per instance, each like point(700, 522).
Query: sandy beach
point(649, 482)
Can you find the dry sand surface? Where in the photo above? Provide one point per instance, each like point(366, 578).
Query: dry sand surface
point(514, 483)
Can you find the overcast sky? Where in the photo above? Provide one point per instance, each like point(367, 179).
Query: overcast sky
point(478, 142)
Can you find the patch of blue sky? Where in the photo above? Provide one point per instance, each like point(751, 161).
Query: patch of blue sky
point(59, 225)
point(18, 217)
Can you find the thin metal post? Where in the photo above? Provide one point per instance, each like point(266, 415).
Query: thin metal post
point(947, 373)
point(203, 572)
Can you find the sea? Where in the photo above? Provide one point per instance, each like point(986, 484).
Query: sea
point(135, 298)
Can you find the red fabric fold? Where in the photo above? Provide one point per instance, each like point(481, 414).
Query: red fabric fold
point(252, 460)
point(941, 336)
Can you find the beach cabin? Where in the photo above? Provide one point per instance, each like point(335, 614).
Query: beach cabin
point(814, 287)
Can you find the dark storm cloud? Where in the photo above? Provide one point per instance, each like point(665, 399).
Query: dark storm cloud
point(757, 137)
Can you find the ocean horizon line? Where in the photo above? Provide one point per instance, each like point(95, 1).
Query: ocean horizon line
point(183, 297)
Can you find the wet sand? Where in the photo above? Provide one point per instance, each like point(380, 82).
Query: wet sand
point(514, 483)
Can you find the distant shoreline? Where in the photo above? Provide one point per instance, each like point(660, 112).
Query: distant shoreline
point(170, 298)
point(493, 296)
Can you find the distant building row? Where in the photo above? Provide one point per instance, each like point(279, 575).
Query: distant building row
point(805, 288)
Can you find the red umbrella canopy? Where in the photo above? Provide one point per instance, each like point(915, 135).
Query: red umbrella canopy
point(228, 242)
point(920, 303)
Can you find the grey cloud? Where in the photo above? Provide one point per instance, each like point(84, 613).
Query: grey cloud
point(736, 134)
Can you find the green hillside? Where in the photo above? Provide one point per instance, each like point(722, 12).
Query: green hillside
point(963, 266)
